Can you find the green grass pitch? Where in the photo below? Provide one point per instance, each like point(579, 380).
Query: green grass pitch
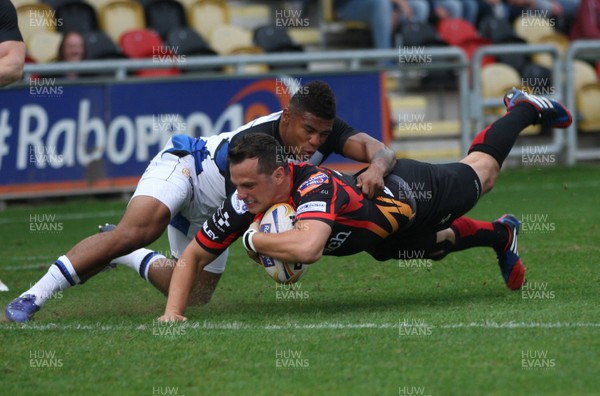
point(353, 326)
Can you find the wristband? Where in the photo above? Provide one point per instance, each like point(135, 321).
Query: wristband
point(247, 239)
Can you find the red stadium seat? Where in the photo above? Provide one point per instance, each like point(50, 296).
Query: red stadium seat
point(145, 43)
point(460, 33)
point(142, 43)
point(455, 31)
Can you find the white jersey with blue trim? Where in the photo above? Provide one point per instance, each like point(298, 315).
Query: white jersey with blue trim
point(212, 185)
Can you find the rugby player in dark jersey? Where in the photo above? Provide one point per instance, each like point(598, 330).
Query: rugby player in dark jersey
point(335, 218)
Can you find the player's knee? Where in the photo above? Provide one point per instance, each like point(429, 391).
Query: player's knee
point(126, 240)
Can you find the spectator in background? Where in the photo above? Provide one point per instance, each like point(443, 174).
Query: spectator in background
point(12, 48)
point(71, 49)
point(464, 9)
point(376, 13)
point(587, 21)
point(405, 11)
point(492, 9)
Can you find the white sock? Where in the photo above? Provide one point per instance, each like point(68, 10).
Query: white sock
point(139, 260)
point(60, 276)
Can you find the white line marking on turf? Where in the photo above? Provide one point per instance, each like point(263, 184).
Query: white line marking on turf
point(292, 326)
point(65, 216)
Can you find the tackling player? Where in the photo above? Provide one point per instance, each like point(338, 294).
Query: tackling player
point(334, 218)
point(186, 182)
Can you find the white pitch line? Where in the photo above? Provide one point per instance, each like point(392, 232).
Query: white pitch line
point(293, 326)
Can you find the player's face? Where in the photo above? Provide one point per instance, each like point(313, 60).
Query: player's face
point(258, 191)
point(304, 132)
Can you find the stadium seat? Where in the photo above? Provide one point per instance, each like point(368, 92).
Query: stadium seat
point(98, 45)
point(43, 46)
point(145, 43)
point(248, 69)
point(588, 106)
point(142, 43)
point(497, 79)
point(560, 41)
point(98, 4)
point(34, 18)
point(205, 15)
point(584, 74)
point(417, 34)
point(498, 31)
point(77, 16)
point(120, 16)
point(226, 39)
point(531, 28)
point(455, 31)
point(460, 33)
point(164, 15)
point(188, 42)
point(272, 39)
point(19, 3)
point(537, 79)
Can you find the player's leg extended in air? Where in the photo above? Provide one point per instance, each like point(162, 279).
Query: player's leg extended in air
point(488, 151)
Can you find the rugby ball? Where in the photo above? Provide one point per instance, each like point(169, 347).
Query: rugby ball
point(280, 218)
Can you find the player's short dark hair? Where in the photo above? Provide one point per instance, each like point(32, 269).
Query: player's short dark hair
point(261, 146)
point(316, 98)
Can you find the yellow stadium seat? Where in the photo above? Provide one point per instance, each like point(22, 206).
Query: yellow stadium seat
point(35, 18)
point(225, 39)
point(98, 4)
point(584, 74)
point(205, 15)
point(588, 106)
point(497, 79)
point(532, 28)
point(43, 46)
point(19, 3)
point(248, 69)
point(560, 41)
point(120, 16)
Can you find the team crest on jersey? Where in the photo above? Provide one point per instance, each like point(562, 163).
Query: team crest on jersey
point(313, 182)
point(238, 205)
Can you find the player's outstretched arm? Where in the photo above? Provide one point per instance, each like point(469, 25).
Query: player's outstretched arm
point(362, 147)
point(303, 244)
point(185, 274)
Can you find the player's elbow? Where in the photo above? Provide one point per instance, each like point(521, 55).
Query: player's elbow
point(308, 254)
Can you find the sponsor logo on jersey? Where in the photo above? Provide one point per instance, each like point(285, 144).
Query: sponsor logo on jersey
point(238, 205)
point(209, 233)
point(313, 182)
point(315, 206)
point(336, 241)
point(223, 220)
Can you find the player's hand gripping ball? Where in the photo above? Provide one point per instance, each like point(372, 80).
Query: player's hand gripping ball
point(280, 218)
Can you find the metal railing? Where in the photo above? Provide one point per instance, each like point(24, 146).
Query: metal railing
point(577, 48)
point(480, 103)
